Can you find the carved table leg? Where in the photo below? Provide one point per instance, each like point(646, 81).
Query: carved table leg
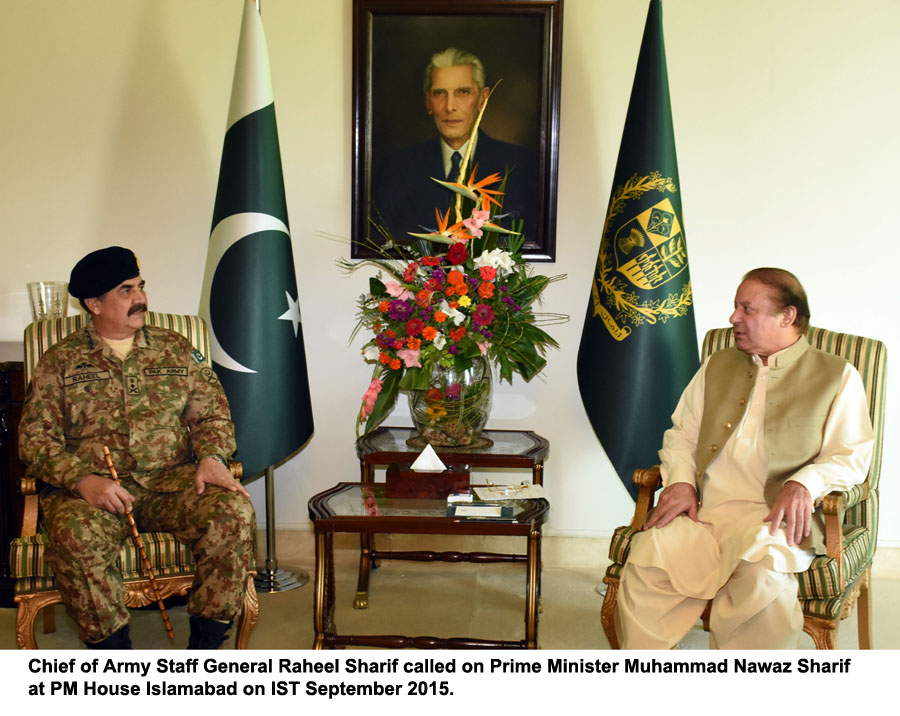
point(532, 584)
point(361, 601)
point(323, 599)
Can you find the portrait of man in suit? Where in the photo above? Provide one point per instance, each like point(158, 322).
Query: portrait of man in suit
point(404, 194)
point(420, 80)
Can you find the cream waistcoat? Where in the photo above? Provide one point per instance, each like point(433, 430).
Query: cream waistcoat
point(803, 383)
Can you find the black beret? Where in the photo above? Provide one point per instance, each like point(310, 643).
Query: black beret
point(102, 270)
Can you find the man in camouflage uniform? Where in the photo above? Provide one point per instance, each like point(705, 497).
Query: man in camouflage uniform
point(156, 403)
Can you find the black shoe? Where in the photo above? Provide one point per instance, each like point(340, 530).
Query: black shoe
point(207, 633)
point(119, 639)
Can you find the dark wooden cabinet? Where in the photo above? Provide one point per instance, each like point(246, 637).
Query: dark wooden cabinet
point(12, 393)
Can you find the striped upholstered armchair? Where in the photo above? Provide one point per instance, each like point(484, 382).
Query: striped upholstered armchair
point(837, 581)
point(171, 561)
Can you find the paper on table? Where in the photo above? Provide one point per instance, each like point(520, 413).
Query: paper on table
point(428, 461)
point(478, 511)
point(510, 492)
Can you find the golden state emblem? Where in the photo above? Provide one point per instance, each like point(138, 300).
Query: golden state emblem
point(645, 253)
point(650, 249)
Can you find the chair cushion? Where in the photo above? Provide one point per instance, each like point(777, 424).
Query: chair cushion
point(620, 544)
point(168, 558)
point(820, 581)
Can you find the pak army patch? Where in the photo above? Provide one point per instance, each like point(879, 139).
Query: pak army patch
point(198, 357)
point(208, 375)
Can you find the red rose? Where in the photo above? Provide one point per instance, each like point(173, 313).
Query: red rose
point(457, 254)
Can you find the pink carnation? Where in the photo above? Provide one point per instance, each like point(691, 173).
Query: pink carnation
point(410, 358)
point(395, 290)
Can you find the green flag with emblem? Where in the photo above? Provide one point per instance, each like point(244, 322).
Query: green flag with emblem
point(250, 297)
point(639, 344)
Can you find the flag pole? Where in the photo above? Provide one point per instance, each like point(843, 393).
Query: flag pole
point(273, 578)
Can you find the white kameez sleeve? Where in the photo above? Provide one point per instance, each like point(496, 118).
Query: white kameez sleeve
point(847, 443)
point(678, 462)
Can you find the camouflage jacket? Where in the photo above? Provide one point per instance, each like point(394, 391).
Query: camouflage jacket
point(160, 408)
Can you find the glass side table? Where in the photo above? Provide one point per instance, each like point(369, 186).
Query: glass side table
point(363, 508)
point(511, 449)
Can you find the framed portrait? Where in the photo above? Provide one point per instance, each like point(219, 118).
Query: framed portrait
point(409, 116)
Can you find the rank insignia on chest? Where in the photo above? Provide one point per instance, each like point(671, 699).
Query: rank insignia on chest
point(132, 385)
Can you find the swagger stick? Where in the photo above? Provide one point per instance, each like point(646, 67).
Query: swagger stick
point(140, 546)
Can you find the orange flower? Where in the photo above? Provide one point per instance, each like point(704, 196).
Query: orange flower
point(396, 364)
point(456, 277)
point(486, 289)
point(462, 289)
point(383, 306)
point(429, 332)
point(453, 304)
point(458, 332)
point(440, 316)
point(423, 297)
point(414, 344)
point(384, 358)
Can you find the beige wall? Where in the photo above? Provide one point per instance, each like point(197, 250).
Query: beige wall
point(786, 124)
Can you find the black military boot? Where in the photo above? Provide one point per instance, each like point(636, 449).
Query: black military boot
point(119, 639)
point(207, 633)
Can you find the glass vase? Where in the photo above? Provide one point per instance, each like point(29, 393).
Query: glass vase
point(455, 408)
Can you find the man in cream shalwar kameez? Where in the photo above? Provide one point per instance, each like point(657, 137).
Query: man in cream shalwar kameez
point(738, 549)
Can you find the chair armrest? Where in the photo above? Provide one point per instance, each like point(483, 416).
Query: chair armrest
point(29, 487)
point(648, 482)
point(834, 507)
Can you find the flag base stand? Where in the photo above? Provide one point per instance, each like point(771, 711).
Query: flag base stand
point(279, 580)
point(273, 578)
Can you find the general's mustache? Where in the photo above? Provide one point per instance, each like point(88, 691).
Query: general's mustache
point(138, 307)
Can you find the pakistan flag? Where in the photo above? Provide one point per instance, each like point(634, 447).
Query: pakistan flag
point(250, 297)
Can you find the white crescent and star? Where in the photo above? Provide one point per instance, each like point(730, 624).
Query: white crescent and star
point(251, 90)
point(226, 234)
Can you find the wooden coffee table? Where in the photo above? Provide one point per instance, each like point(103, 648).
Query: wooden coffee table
point(362, 508)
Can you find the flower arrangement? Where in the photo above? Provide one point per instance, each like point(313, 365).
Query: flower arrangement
point(456, 296)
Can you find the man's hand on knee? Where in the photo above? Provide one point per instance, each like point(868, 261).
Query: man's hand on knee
point(212, 472)
point(793, 505)
point(679, 498)
point(102, 492)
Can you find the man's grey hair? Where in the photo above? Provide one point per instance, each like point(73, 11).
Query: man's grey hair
point(786, 291)
point(452, 57)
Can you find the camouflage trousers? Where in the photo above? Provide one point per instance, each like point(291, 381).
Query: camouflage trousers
point(84, 541)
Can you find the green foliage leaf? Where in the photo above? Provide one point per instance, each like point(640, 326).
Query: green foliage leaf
point(415, 379)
